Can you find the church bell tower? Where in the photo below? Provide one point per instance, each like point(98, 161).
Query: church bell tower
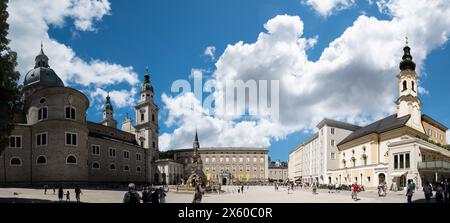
point(146, 128)
point(408, 102)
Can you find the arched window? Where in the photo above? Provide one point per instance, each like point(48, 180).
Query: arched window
point(41, 160)
point(138, 169)
point(142, 117)
point(71, 159)
point(95, 166)
point(112, 167)
point(126, 168)
point(15, 161)
point(404, 86)
point(413, 88)
point(353, 161)
point(364, 158)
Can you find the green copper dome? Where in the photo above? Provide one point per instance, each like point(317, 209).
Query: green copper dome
point(146, 86)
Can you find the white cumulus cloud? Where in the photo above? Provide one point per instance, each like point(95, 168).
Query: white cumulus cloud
point(328, 7)
point(30, 23)
point(354, 79)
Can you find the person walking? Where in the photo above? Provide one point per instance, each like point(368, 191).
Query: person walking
point(131, 196)
point(68, 196)
point(410, 190)
point(439, 193)
point(77, 193)
point(60, 193)
point(428, 191)
point(54, 189)
point(162, 196)
point(45, 189)
point(314, 188)
point(197, 195)
point(242, 188)
point(355, 191)
point(145, 195)
point(445, 186)
point(155, 196)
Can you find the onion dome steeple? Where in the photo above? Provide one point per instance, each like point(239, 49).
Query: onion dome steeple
point(108, 105)
point(407, 62)
point(147, 85)
point(108, 114)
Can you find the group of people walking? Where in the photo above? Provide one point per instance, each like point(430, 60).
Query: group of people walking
point(61, 194)
point(441, 194)
point(147, 196)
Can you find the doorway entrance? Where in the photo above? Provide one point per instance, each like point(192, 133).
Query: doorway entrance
point(224, 181)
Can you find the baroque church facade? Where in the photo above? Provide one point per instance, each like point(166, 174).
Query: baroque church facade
point(405, 146)
point(53, 142)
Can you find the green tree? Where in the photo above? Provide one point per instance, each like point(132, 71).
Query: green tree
point(9, 91)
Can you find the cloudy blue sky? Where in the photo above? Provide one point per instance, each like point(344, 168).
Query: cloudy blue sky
point(334, 58)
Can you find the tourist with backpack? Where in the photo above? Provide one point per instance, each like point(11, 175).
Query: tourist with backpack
point(131, 196)
point(428, 191)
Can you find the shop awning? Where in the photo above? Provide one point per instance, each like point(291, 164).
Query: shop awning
point(398, 174)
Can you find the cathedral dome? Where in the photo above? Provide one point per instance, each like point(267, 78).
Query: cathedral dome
point(42, 74)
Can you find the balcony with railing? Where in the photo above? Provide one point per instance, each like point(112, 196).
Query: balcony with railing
point(433, 165)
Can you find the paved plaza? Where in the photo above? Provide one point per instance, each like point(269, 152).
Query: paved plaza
point(255, 194)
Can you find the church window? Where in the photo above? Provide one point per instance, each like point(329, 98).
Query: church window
point(404, 86)
point(154, 144)
point(126, 168)
point(15, 161)
point(71, 139)
point(153, 117)
point(112, 167)
point(126, 155)
point(41, 139)
point(413, 87)
point(95, 166)
point(138, 156)
point(41, 160)
point(15, 142)
point(42, 100)
point(71, 159)
point(142, 117)
point(42, 113)
point(112, 152)
point(138, 169)
point(70, 113)
point(95, 150)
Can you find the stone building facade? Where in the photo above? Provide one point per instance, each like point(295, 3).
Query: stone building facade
point(228, 165)
point(278, 171)
point(52, 142)
point(404, 146)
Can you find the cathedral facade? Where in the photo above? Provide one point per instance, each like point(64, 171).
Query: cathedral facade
point(53, 142)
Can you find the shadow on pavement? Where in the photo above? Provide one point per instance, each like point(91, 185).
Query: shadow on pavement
point(28, 200)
